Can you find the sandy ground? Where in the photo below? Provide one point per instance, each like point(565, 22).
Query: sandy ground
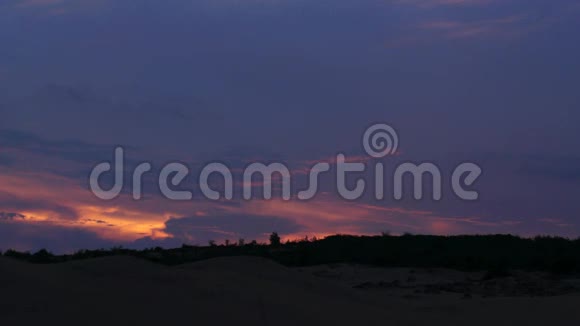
point(255, 291)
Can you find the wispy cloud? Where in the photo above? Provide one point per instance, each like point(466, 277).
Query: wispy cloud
point(509, 25)
point(433, 21)
point(38, 3)
point(55, 7)
point(438, 3)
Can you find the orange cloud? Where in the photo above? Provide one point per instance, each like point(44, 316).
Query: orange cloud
point(43, 197)
point(46, 199)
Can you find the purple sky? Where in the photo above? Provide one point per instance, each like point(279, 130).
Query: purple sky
point(488, 81)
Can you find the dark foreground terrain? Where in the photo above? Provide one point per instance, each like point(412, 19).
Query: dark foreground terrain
point(341, 280)
point(123, 290)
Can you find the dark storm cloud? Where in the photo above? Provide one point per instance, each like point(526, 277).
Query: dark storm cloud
point(164, 107)
point(563, 168)
point(70, 150)
point(201, 229)
point(148, 242)
point(11, 216)
point(69, 158)
point(240, 157)
point(179, 109)
point(35, 236)
point(8, 201)
point(66, 94)
point(5, 160)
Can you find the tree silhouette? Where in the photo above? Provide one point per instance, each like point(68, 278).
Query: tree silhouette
point(275, 239)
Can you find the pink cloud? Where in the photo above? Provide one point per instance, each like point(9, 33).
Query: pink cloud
point(466, 29)
point(38, 3)
point(438, 3)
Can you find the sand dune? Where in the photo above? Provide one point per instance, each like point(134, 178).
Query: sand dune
point(249, 290)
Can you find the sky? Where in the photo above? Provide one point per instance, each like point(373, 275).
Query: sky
point(494, 82)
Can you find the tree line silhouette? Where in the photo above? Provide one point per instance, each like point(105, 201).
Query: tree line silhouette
point(497, 253)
